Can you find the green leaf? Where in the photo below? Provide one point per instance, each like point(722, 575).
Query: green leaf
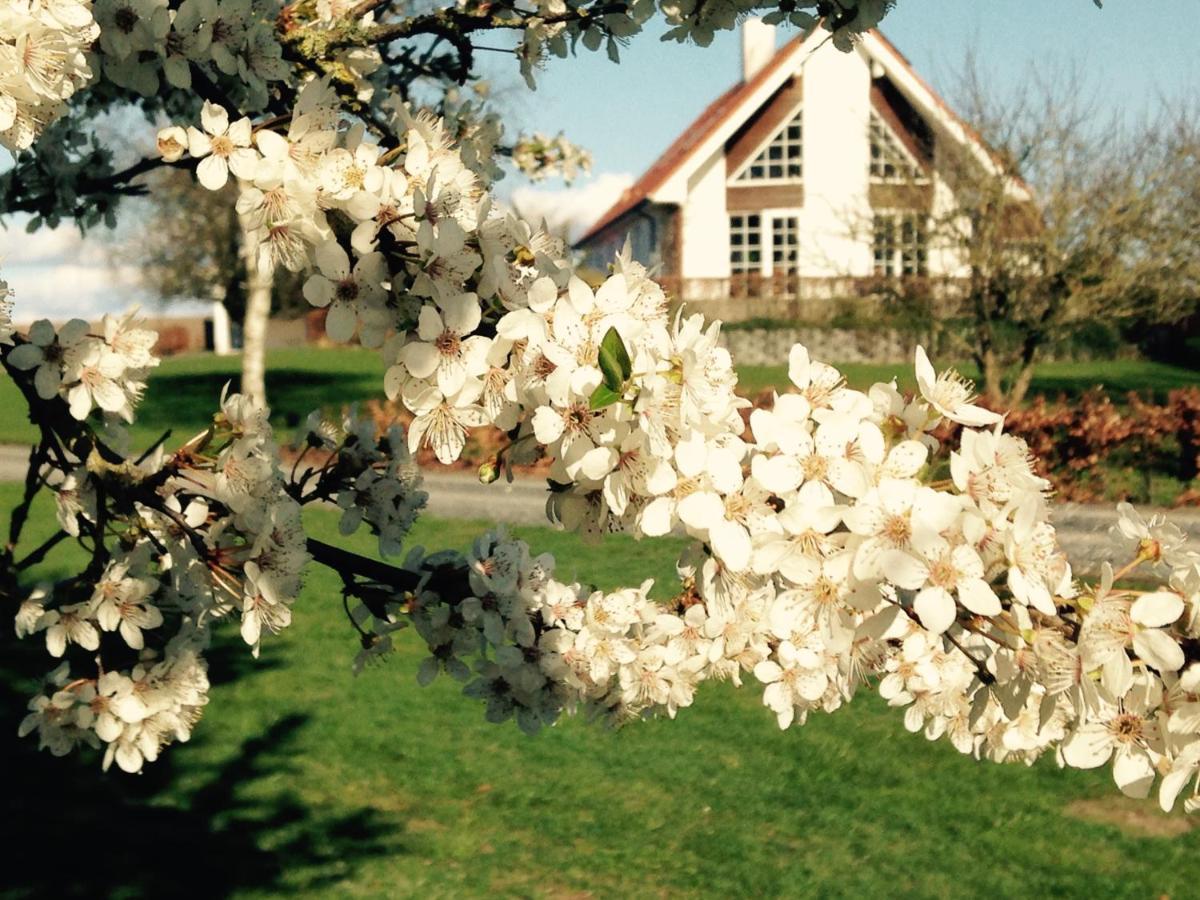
point(603, 396)
point(614, 361)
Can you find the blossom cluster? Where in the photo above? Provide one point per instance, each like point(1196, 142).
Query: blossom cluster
point(44, 60)
point(836, 542)
point(530, 647)
point(826, 552)
point(372, 478)
point(177, 542)
point(539, 156)
point(144, 41)
point(102, 370)
point(951, 595)
point(189, 557)
point(132, 714)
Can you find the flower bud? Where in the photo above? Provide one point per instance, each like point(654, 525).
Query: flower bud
point(172, 142)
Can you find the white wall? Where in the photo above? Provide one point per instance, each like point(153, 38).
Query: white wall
point(836, 231)
point(705, 224)
point(835, 223)
point(945, 256)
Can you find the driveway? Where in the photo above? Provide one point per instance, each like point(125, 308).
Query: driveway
point(1083, 528)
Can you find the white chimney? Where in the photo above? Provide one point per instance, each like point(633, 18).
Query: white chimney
point(758, 46)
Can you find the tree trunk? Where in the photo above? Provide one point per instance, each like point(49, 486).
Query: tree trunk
point(1021, 386)
point(991, 373)
point(1029, 353)
point(254, 322)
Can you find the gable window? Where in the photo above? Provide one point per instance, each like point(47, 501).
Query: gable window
point(745, 243)
point(899, 244)
point(890, 159)
point(780, 159)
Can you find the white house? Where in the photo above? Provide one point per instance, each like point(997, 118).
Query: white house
point(818, 169)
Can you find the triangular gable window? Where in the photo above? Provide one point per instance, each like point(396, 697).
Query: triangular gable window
point(780, 159)
point(890, 160)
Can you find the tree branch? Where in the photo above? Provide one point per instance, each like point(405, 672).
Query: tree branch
point(346, 561)
point(454, 23)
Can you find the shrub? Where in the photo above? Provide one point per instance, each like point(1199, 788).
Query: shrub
point(1080, 445)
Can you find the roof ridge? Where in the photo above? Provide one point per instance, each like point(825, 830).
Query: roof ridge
point(713, 116)
point(710, 118)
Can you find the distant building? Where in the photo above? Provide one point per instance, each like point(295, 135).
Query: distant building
point(210, 329)
point(218, 333)
point(817, 172)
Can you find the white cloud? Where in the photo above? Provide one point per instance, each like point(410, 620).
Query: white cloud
point(43, 245)
point(64, 288)
point(59, 274)
point(572, 209)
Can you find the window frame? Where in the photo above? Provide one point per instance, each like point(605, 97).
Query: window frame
point(918, 175)
point(919, 248)
point(782, 215)
point(737, 180)
point(745, 230)
point(767, 218)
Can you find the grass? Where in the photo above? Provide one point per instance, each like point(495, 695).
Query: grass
point(183, 391)
point(302, 779)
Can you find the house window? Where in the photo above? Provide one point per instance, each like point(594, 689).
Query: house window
point(745, 243)
point(780, 159)
point(890, 161)
point(899, 244)
point(784, 244)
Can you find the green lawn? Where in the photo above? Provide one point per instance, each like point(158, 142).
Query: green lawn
point(1052, 379)
point(303, 779)
point(183, 391)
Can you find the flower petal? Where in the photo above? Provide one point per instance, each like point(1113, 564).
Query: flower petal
point(1089, 747)
point(935, 608)
point(1157, 609)
point(213, 172)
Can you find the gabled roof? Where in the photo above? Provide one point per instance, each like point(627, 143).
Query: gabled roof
point(718, 113)
point(729, 111)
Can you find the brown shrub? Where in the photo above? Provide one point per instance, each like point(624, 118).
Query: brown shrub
point(172, 339)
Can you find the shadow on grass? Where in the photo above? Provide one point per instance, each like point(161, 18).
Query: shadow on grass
point(187, 401)
point(183, 828)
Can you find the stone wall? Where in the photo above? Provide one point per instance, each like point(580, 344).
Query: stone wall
point(770, 346)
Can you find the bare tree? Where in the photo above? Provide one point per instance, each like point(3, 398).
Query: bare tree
point(191, 245)
point(1068, 217)
point(257, 313)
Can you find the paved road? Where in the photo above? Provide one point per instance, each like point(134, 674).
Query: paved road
point(454, 495)
point(1083, 528)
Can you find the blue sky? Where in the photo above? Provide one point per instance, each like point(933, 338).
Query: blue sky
point(1132, 51)
point(626, 114)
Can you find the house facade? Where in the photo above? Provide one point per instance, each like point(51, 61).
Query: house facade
point(814, 175)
